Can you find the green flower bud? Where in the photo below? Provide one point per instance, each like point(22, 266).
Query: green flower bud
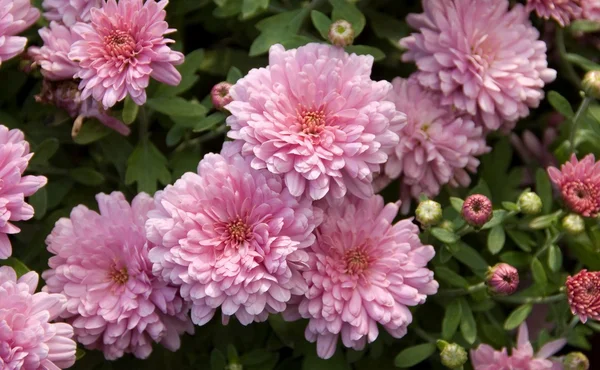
point(530, 203)
point(429, 213)
point(341, 33)
point(573, 224)
point(591, 84)
point(447, 225)
point(453, 356)
point(576, 361)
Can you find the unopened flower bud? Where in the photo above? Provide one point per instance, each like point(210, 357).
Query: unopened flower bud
point(341, 33)
point(573, 224)
point(447, 225)
point(452, 355)
point(429, 213)
point(220, 95)
point(576, 361)
point(591, 84)
point(477, 210)
point(502, 279)
point(530, 203)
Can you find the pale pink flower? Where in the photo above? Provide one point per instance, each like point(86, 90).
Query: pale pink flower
point(14, 187)
point(591, 10)
point(493, 67)
point(121, 48)
point(562, 11)
point(437, 146)
point(28, 341)
point(15, 17)
point(101, 265)
point(583, 291)
point(231, 237)
point(53, 57)
point(69, 12)
point(579, 184)
point(315, 117)
point(363, 270)
point(485, 357)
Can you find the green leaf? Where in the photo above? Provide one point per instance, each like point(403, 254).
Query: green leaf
point(227, 8)
point(209, 122)
point(232, 354)
point(87, 176)
point(321, 23)
point(545, 221)
point(251, 8)
point(414, 355)
point(176, 107)
point(39, 202)
point(554, 258)
point(452, 319)
point(188, 71)
point(582, 62)
point(79, 353)
point(145, 166)
point(45, 151)
point(91, 131)
point(496, 239)
point(233, 75)
point(516, 259)
point(510, 206)
point(277, 29)
point(19, 267)
point(543, 188)
point(468, 326)
point(450, 277)
point(366, 50)
point(457, 204)
point(313, 362)
point(387, 27)
point(256, 357)
point(538, 272)
point(498, 217)
point(470, 257)
point(130, 111)
point(516, 317)
point(346, 10)
point(561, 104)
point(521, 239)
point(444, 235)
point(584, 26)
point(217, 360)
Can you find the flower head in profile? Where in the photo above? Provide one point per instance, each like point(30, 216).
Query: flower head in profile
point(583, 291)
point(100, 263)
point(14, 187)
point(502, 279)
point(28, 340)
point(233, 238)
point(562, 11)
point(316, 117)
point(15, 17)
point(363, 271)
point(219, 95)
point(121, 48)
point(494, 67)
point(53, 57)
point(522, 357)
point(437, 146)
point(579, 184)
point(69, 12)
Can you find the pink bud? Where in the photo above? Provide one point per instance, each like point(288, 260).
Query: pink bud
point(502, 279)
point(220, 95)
point(477, 210)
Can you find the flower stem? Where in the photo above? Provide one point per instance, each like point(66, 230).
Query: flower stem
point(565, 64)
point(424, 335)
point(534, 300)
point(580, 111)
point(462, 291)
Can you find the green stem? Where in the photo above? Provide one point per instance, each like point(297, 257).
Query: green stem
point(533, 300)
point(464, 229)
point(462, 291)
point(582, 108)
point(565, 64)
point(424, 335)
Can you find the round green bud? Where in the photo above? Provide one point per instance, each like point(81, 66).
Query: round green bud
point(530, 203)
point(576, 361)
point(452, 355)
point(429, 213)
point(591, 84)
point(573, 224)
point(341, 33)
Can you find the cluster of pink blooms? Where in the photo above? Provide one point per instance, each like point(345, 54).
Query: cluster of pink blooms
point(565, 11)
point(96, 53)
point(15, 17)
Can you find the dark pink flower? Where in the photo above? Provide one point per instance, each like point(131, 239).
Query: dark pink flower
point(562, 11)
point(503, 279)
point(583, 291)
point(477, 210)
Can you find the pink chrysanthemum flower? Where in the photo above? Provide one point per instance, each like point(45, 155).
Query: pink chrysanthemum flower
point(363, 271)
point(477, 210)
point(14, 187)
point(493, 67)
point(579, 184)
point(591, 10)
point(583, 291)
point(28, 341)
point(53, 57)
point(69, 12)
point(231, 237)
point(315, 117)
point(485, 357)
point(122, 47)
point(101, 265)
point(15, 17)
point(562, 11)
point(437, 146)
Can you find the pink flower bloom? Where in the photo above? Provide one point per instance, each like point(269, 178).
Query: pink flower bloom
point(122, 48)
point(70, 12)
point(502, 279)
point(562, 11)
point(14, 187)
point(485, 357)
point(363, 271)
point(15, 17)
point(28, 341)
point(219, 95)
point(579, 184)
point(231, 237)
point(591, 10)
point(583, 291)
point(494, 67)
point(53, 57)
point(437, 146)
point(101, 265)
point(477, 210)
point(65, 95)
point(315, 117)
